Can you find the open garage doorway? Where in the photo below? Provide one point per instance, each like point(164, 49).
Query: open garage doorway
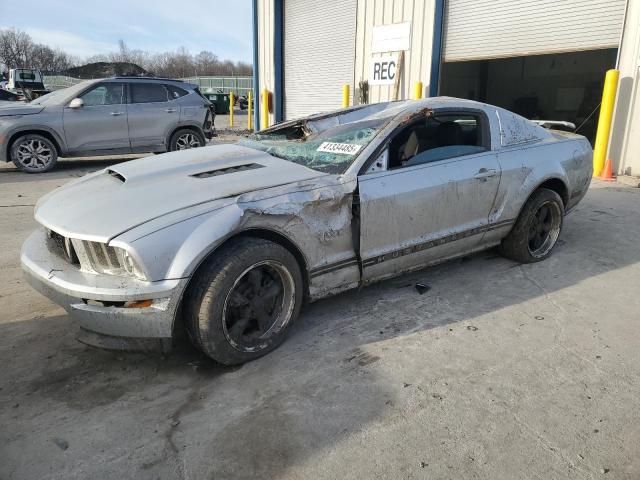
point(559, 86)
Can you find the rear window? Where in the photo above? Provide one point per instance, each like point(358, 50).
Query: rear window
point(27, 76)
point(175, 92)
point(148, 93)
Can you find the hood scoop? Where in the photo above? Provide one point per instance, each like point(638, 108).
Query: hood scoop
point(225, 170)
point(116, 175)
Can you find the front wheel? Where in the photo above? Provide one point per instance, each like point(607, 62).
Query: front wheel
point(537, 229)
point(34, 153)
point(185, 139)
point(243, 301)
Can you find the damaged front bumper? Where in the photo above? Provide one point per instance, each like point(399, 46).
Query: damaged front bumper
point(113, 312)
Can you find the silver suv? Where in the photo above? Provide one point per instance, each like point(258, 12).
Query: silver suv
point(105, 117)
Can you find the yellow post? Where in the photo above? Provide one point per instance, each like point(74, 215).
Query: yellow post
point(345, 95)
point(250, 110)
point(417, 90)
point(604, 121)
point(264, 120)
point(231, 110)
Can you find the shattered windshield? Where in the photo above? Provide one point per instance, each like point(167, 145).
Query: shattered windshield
point(329, 145)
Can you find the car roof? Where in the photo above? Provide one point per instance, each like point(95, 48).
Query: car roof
point(135, 79)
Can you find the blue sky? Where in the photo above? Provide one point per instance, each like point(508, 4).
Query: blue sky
point(90, 27)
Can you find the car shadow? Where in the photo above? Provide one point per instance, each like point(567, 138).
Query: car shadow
point(328, 381)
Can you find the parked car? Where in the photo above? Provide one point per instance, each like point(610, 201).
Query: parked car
point(233, 239)
point(103, 117)
point(242, 102)
point(7, 98)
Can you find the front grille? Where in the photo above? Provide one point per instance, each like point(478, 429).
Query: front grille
point(62, 247)
point(95, 257)
point(102, 256)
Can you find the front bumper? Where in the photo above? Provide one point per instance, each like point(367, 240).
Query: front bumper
point(71, 288)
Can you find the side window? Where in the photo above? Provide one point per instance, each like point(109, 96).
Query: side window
point(103, 94)
point(438, 137)
point(148, 92)
point(175, 92)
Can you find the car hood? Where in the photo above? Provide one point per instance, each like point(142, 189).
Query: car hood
point(107, 203)
point(19, 108)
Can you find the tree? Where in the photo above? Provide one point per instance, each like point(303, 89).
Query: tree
point(206, 63)
point(17, 49)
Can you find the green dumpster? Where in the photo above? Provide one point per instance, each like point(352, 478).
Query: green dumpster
point(220, 101)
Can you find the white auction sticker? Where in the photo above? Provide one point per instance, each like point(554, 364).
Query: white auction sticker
point(344, 148)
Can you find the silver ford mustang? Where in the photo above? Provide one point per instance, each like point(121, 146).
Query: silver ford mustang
point(231, 240)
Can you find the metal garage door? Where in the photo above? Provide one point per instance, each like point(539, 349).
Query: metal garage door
point(319, 53)
point(507, 28)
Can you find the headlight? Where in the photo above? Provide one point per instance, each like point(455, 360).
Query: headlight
point(128, 263)
point(112, 260)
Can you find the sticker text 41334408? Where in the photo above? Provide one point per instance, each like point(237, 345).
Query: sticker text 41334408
point(343, 148)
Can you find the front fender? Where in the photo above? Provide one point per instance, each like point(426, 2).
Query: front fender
point(172, 247)
point(27, 127)
point(314, 215)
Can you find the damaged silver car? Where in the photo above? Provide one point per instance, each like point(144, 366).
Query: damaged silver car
point(232, 240)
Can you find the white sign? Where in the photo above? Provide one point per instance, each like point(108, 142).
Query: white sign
point(391, 38)
point(344, 148)
point(383, 70)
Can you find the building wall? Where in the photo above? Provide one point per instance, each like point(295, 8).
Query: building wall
point(624, 149)
point(266, 68)
point(417, 61)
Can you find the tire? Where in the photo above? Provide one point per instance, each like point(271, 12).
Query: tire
point(185, 138)
point(251, 275)
point(537, 228)
point(33, 153)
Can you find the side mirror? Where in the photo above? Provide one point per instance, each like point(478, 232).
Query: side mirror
point(76, 103)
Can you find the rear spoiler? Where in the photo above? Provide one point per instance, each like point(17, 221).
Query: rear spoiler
point(556, 125)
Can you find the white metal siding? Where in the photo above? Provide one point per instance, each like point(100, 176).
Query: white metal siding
point(319, 49)
point(265, 51)
point(478, 29)
point(417, 60)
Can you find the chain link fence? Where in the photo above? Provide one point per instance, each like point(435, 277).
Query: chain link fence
point(237, 85)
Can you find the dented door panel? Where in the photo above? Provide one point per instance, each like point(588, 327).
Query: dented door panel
point(412, 216)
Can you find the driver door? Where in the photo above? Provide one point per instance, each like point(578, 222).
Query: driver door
point(101, 123)
point(432, 201)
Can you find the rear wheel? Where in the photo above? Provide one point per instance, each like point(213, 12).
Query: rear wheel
point(185, 139)
point(537, 229)
point(243, 301)
point(34, 153)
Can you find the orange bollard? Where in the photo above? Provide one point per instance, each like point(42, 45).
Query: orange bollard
point(607, 174)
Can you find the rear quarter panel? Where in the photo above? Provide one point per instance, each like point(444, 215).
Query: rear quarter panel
point(524, 168)
point(192, 109)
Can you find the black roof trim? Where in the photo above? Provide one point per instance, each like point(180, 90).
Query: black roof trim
point(135, 77)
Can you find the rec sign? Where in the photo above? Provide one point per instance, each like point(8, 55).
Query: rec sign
point(383, 70)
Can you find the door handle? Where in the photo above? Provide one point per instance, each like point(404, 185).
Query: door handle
point(483, 173)
point(170, 110)
point(115, 114)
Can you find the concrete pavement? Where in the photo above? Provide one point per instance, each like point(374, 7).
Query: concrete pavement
point(499, 371)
